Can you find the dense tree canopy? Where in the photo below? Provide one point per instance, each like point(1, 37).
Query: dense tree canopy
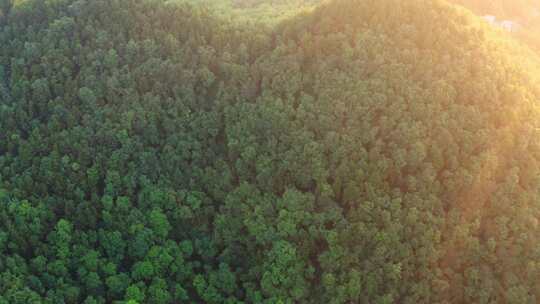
point(368, 151)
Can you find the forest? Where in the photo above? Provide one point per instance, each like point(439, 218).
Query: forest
point(266, 151)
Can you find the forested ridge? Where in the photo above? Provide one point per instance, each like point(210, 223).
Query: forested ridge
point(362, 151)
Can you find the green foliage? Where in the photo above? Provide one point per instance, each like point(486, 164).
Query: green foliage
point(359, 152)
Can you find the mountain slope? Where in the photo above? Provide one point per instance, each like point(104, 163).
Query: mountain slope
point(365, 152)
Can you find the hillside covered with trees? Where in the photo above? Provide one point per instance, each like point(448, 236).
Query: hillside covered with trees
point(361, 151)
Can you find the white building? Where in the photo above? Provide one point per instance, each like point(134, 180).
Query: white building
point(507, 25)
point(490, 19)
